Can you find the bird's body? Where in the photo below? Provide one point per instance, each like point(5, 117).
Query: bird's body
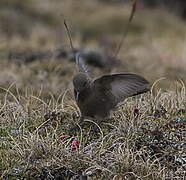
point(91, 105)
point(97, 98)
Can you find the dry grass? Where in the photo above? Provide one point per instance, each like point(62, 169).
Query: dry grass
point(144, 138)
point(149, 144)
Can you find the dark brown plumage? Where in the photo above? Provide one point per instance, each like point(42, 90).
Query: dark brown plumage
point(97, 98)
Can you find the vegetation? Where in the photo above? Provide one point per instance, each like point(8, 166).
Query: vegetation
point(145, 136)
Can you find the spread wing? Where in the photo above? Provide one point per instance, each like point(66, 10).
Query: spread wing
point(117, 87)
point(80, 63)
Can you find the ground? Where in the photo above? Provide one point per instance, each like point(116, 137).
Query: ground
point(145, 138)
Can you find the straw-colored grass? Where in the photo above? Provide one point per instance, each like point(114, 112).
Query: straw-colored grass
point(143, 139)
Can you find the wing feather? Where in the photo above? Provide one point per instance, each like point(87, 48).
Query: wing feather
point(121, 86)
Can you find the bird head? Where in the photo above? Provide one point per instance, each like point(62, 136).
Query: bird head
point(81, 81)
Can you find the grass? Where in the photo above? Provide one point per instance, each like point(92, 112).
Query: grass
point(143, 139)
point(146, 143)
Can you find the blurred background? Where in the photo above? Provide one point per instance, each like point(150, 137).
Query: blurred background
point(35, 51)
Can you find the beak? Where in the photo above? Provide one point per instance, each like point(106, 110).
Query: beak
point(77, 96)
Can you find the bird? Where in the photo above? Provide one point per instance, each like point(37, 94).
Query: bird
point(97, 98)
